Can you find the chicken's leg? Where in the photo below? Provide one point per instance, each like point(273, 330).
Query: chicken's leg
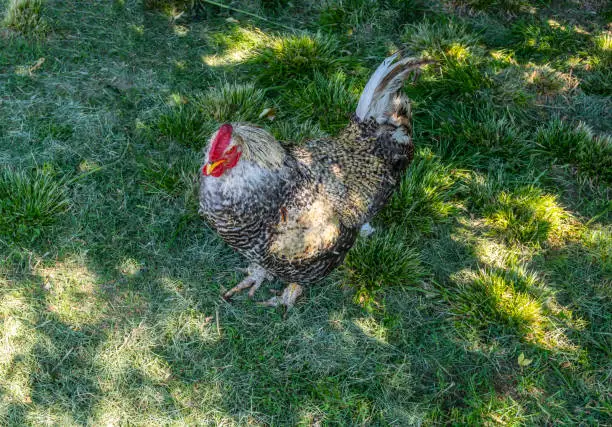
point(256, 276)
point(286, 298)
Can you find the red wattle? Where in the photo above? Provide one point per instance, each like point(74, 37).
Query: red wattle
point(232, 157)
point(218, 171)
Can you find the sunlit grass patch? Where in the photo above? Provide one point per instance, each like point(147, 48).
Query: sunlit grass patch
point(500, 409)
point(498, 255)
point(495, 297)
point(41, 360)
point(598, 78)
point(26, 17)
point(289, 57)
point(521, 89)
point(442, 40)
point(577, 145)
point(16, 343)
point(235, 45)
point(595, 64)
point(134, 375)
point(72, 293)
point(503, 56)
point(461, 66)
point(30, 202)
point(328, 99)
point(381, 261)
point(604, 42)
point(192, 325)
point(46, 360)
point(526, 215)
point(276, 59)
point(337, 356)
point(127, 354)
point(424, 195)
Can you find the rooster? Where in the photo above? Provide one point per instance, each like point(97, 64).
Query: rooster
point(295, 213)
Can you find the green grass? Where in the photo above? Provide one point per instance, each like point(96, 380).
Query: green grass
point(29, 203)
point(497, 244)
point(424, 197)
point(326, 98)
point(25, 17)
point(577, 146)
point(363, 272)
point(285, 58)
point(499, 301)
point(526, 215)
point(190, 121)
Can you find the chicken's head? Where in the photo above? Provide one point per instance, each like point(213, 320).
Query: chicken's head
point(223, 153)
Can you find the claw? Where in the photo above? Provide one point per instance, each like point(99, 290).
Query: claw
point(290, 294)
point(246, 283)
point(254, 288)
point(256, 277)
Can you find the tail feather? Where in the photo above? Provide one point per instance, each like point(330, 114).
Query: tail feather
point(380, 98)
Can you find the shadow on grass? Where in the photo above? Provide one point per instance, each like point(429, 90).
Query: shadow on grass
point(164, 357)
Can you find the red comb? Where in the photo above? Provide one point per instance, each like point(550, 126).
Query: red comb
point(221, 142)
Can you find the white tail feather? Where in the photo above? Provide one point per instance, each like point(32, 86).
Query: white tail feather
point(368, 91)
point(379, 97)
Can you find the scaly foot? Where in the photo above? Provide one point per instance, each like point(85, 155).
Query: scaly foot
point(256, 276)
point(286, 298)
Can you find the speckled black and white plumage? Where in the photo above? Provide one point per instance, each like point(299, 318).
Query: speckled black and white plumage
point(296, 212)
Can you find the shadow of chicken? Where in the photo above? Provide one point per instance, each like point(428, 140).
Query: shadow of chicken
point(295, 213)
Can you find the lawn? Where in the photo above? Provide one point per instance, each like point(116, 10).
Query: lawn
point(483, 297)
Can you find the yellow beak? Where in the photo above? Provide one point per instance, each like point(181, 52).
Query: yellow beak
point(210, 167)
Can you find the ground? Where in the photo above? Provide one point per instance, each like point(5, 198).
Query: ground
point(483, 297)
